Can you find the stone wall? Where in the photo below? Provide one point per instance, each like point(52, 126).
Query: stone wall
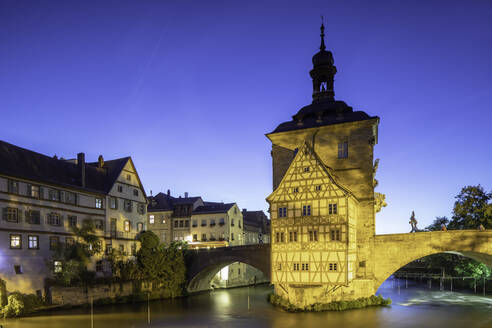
point(79, 295)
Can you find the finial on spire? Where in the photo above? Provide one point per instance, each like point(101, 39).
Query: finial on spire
point(322, 46)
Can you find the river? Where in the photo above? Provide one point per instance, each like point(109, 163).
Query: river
point(416, 306)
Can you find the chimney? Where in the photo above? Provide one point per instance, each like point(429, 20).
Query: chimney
point(169, 192)
point(81, 165)
point(186, 194)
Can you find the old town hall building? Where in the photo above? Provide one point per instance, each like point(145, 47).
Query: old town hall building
point(322, 208)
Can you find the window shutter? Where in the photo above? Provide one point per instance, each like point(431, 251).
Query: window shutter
point(29, 190)
point(41, 192)
point(19, 215)
point(4, 214)
point(26, 216)
point(61, 220)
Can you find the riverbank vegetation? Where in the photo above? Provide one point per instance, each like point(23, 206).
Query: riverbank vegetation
point(359, 303)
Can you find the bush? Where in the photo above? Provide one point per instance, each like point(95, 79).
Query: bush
point(20, 304)
point(332, 306)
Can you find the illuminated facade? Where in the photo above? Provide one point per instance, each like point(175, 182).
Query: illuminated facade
point(43, 198)
point(322, 209)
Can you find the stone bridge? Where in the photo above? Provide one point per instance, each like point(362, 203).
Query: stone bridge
point(204, 264)
point(391, 252)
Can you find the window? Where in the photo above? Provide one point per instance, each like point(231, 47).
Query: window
point(57, 267)
point(343, 149)
point(122, 248)
point(295, 189)
point(54, 242)
point(333, 267)
point(282, 212)
point(318, 187)
point(134, 249)
point(332, 208)
point(33, 242)
point(99, 266)
point(313, 235)
point(11, 214)
point(33, 217)
point(277, 237)
point(232, 222)
point(232, 236)
point(195, 237)
point(127, 226)
point(176, 223)
point(109, 248)
point(54, 219)
point(181, 223)
point(204, 223)
point(281, 237)
point(99, 203)
point(279, 266)
point(187, 223)
point(212, 222)
point(72, 221)
point(335, 234)
point(140, 226)
point(69, 241)
point(113, 203)
point(306, 169)
point(141, 208)
point(204, 237)
point(296, 266)
point(13, 187)
point(70, 198)
point(221, 221)
point(15, 241)
point(305, 267)
point(151, 219)
point(17, 269)
point(292, 236)
point(195, 223)
point(53, 194)
point(306, 210)
point(120, 188)
point(163, 220)
point(33, 191)
point(99, 224)
point(129, 177)
point(128, 205)
point(135, 192)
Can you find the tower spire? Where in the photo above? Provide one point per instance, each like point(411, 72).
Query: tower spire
point(322, 47)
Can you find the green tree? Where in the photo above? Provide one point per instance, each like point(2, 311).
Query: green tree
point(471, 209)
point(437, 223)
point(77, 256)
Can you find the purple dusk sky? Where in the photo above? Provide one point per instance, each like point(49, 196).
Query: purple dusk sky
point(189, 88)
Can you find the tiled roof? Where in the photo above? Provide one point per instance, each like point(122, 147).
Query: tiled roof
point(322, 113)
point(216, 208)
point(23, 163)
point(165, 202)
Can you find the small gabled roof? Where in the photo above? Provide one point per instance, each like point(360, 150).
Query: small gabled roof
point(328, 171)
point(216, 208)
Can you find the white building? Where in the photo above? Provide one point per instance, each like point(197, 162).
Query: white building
point(42, 198)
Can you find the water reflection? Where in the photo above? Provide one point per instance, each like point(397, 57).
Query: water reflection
point(412, 307)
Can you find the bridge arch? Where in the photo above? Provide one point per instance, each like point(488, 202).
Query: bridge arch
point(204, 264)
point(391, 252)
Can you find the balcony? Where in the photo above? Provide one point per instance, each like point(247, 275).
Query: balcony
point(123, 234)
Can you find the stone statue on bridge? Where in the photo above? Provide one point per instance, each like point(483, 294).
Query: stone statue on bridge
point(413, 222)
